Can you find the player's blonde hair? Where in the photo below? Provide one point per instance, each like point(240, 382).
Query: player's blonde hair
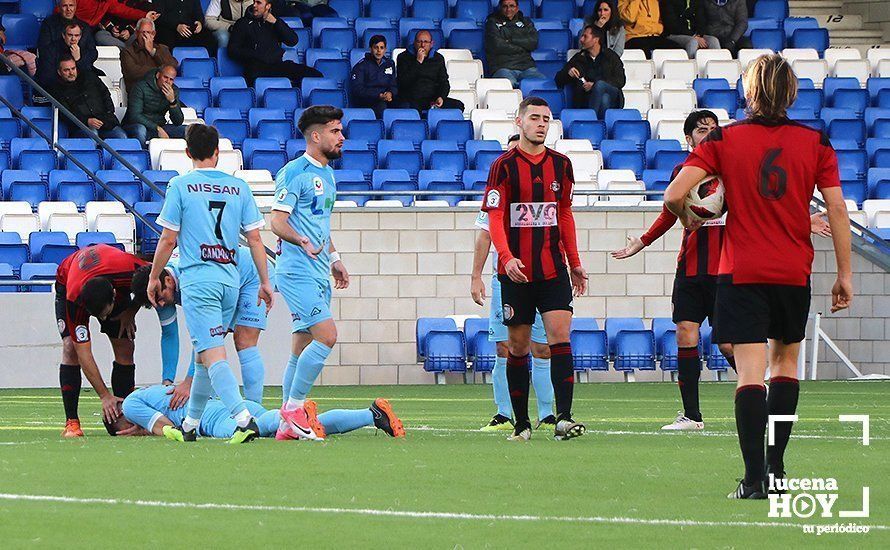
point(770, 86)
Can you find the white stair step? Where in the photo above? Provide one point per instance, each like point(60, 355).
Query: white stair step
point(839, 21)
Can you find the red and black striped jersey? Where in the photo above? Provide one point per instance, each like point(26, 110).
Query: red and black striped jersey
point(769, 169)
point(529, 203)
point(699, 250)
point(98, 260)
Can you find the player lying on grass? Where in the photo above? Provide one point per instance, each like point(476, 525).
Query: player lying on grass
point(150, 408)
point(95, 281)
point(250, 320)
point(695, 283)
point(770, 166)
point(497, 333)
point(529, 202)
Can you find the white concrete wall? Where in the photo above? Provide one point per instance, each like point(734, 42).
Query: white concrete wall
point(411, 264)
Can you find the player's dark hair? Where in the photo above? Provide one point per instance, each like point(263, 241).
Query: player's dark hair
point(514, 137)
point(201, 141)
point(376, 39)
point(139, 285)
point(96, 295)
point(318, 114)
point(694, 118)
point(597, 33)
point(532, 101)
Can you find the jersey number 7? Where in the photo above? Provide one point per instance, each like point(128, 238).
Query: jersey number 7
point(218, 205)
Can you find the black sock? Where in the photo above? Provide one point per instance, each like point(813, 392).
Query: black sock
point(562, 375)
point(750, 421)
point(123, 379)
point(689, 371)
point(518, 382)
point(731, 360)
point(782, 399)
point(69, 381)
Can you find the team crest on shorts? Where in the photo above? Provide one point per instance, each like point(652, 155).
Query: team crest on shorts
point(81, 333)
point(554, 186)
point(61, 323)
point(508, 312)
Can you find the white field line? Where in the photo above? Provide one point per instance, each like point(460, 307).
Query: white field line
point(666, 433)
point(402, 513)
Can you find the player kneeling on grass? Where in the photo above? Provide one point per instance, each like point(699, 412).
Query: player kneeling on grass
point(769, 166)
point(250, 320)
point(305, 192)
point(529, 203)
point(204, 211)
point(695, 283)
point(95, 281)
point(151, 409)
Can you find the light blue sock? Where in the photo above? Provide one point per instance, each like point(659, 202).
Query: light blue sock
point(226, 386)
point(340, 421)
point(268, 423)
point(499, 387)
point(252, 373)
point(308, 368)
point(289, 371)
point(543, 386)
point(199, 395)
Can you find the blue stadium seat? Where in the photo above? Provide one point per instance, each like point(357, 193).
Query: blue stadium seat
point(17, 145)
point(570, 116)
point(258, 114)
point(453, 24)
point(139, 159)
point(772, 39)
point(256, 144)
point(609, 146)
point(220, 83)
point(197, 98)
point(22, 29)
point(484, 352)
point(809, 99)
point(287, 99)
point(10, 237)
point(388, 9)
point(272, 161)
point(758, 23)
point(771, 9)
point(854, 161)
point(843, 123)
point(363, 24)
point(321, 23)
point(93, 160)
point(669, 351)
point(80, 193)
point(446, 351)
point(589, 350)
point(616, 324)
point(720, 99)
point(6, 272)
point(702, 85)
point(614, 115)
point(8, 177)
point(390, 34)
point(9, 128)
point(627, 160)
point(791, 24)
point(414, 131)
point(408, 24)
point(147, 238)
point(349, 9)
point(335, 69)
point(845, 93)
point(38, 239)
point(400, 184)
point(39, 8)
point(460, 131)
point(468, 39)
point(11, 89)
point(364, 161)
point(878, 178)
point(38, 272)
point(475, 180)
point(292, 22)
point(205, 69)
point(181, 53)
point(477, 10)
point(31, 192)
point(269, 83)
point(452, 161)
point(816, 39)
point(474, 147)
point(314, 55)
point(660, 325)
point(56, 253)
point(435, 10)
point(637, 131)
point(338, 39)
point(653, 146)
point(58, 176)
point(297, 53)
point(656, 180)
point(14, 255)
point(878, 88)
point(564, 10)
point(352, 180)
point(584, 323)
point(87, 238)
point(337, 98)
point(877, 120)
point(432, 145)
point(634, 350)
point(591, 130)
point(399, 154)
point(391, 115)
point(559, 40)
point(240, 99)
point(715, 360)
point(668, 160)
point(555, 98)
point(369, 130)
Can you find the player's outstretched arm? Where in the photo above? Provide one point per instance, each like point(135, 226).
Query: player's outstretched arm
point(675, 194)
point(258, 253)
point(166, 244)
point(338, 268)
point(819, 225)
point(91, 371)
point(839, 220)
point(659, 227)
point(480, 253)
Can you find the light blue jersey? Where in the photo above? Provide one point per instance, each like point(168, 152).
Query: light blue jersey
point(306, 190)
point(209, 208)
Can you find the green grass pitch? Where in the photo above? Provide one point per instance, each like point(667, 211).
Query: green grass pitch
point(624, 485)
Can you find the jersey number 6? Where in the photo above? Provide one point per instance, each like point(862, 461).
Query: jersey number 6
point(773, 178)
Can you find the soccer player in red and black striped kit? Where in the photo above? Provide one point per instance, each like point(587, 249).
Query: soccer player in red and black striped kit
point(529, 204)
point(695, 283)
point(95, 281)
point(769, 166)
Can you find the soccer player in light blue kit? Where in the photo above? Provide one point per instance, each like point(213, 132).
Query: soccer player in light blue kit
point(497, 332)
point(151, 409)
point(205, 210)
point(301, 218)
point(249, 322)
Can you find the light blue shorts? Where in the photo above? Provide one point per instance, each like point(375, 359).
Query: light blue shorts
point(248, 313)
point(308, 299)
point(209, 312)
point(497, 330)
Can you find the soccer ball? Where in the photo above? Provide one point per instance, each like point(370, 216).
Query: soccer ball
point(705, 201)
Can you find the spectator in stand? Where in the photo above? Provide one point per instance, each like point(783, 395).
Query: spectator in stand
point(725, 19)
point(596, 74)
point(307, 10)
point(423, 77)
point(255, 42)
point(150, 101)
point(510, 39)
point(111, 20)
point(373, 79)
point(605, 16)
point(88, 99)
point(182, 24)
point(677, 17)
point(144, 54)
point(73, 42)
point(642, 26)
point(22, 59)
point(222, 14)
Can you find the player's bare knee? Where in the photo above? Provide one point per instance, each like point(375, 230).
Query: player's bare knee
point(124, 349)
point(69, 354)
point(725, 349)
point(327, 336)
point(687, 334)
point(502, 349)
point(540, 351)
point(246, 337)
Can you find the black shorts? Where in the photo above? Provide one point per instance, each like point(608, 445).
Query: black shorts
point(751, 314)
point(521, 301)
point(69, 316)
point(693, 298)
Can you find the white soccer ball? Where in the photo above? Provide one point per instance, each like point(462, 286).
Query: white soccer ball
point(705, 201)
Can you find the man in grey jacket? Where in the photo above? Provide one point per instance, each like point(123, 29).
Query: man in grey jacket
point(725, 19)
point(510, 39)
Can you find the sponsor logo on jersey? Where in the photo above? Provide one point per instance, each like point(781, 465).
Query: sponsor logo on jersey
point(218, 253)
point(493, 199)
point(533, 214)
point(318, 186)
point(217, 331)
point(81, 333)
point(213, 188)
point(719, 221)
